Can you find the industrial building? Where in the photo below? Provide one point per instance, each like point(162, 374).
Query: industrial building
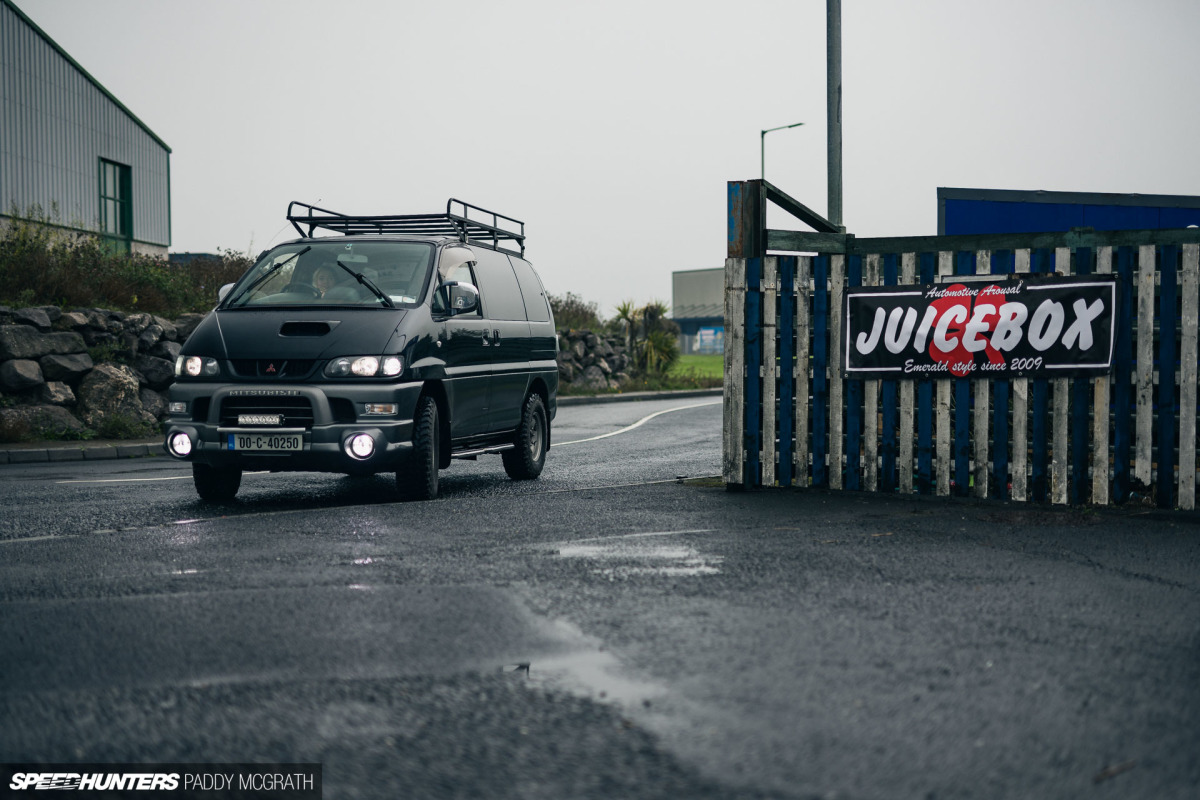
point(71, 152)
point(698, 308)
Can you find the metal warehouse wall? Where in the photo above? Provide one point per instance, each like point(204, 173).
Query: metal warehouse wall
point(983, 211)
point(56, 125)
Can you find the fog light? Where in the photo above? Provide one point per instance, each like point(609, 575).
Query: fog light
point(360, 446)
point(180, 445)
point(177, 408)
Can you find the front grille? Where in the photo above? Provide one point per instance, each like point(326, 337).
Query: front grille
point(297, 411)
point(269, 368)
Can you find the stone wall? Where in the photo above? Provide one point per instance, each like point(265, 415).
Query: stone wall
point(65, 373)
point(589, 361)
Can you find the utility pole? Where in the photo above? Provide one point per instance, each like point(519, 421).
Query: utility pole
point(833, 99)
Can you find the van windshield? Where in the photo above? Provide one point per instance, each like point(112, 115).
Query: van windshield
point(327, 273)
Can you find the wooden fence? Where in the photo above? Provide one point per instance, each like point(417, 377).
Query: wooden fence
point(792, 419)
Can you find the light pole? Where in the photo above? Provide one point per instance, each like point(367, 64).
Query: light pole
point(763, 145)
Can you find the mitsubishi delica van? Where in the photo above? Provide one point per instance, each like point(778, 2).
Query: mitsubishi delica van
point(386, 344)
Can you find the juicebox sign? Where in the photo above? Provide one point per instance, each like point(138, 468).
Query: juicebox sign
point(1029, 327)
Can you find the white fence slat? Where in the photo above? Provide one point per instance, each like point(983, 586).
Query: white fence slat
point(945, 266)
point(802, 367)
point(770, 291)
point(983, 395)
point(1060, 387)
point(1189, 286)
point(1100, 407)
point(1060, 417)
point(871, 277)
point(1019, 460)
point(837, 279)
point(734, 407)
point(1144, 391)
point(908, 274)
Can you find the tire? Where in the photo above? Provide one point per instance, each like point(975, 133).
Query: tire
point(418, 480)
point(216, 484)
point(525, 461)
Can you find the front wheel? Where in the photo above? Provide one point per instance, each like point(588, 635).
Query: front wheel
point(525, 461)
point(216, 484)
point(418, 480)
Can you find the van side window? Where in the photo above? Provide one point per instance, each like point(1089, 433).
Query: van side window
point(498, 288)
point(532, 291)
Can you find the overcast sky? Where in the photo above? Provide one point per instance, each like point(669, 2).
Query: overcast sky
point(612, 127)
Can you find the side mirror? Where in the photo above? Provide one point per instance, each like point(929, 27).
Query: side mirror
point(458, 298)
point(224, 290)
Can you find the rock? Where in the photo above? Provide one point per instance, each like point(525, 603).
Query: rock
point(592, 341)
point(56, 393)
point(169, 331)
point(70, 321)
point(149, 337)
point(579, 350)
point(19, 374)
point(603, 366)
point(622, 378)
point(52, 313)
point(153, 403)
point(158, 372)
point(69, 368)
point(109, 395)
point(23, 341)
point(592, 380)
point(136, 323)
point(32, 316)
point(32, 422)
point(167, 350)
point(185, 325)
point(95, 319)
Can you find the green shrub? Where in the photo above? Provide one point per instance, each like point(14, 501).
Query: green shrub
point(42, 264)
point(123, 426)
point(574, 313)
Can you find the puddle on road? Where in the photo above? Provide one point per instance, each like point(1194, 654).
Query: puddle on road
point(642, 554)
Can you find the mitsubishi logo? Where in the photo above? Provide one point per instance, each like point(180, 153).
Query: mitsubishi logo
point(270, 369)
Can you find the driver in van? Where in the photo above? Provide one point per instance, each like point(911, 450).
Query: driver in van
point(324, 279)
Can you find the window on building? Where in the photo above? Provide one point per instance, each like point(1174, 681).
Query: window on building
point(116, 203)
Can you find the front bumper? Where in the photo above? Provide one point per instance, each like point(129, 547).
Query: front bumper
point(333, 414)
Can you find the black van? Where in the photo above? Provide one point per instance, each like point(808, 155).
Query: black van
point(400, 344)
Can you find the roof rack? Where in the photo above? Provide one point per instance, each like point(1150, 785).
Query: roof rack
point(456, 222)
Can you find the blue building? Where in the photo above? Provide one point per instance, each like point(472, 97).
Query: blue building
point(968, 211)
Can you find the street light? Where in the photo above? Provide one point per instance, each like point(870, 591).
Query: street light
point(763, 145)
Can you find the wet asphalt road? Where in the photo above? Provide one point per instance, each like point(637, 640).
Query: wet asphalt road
point(603, 632)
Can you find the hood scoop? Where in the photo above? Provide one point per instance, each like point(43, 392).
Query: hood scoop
point(307, 328)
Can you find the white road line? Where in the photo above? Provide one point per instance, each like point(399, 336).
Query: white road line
point(150, 480)
point(638, 424)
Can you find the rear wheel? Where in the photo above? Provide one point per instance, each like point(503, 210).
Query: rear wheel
point(418, 480)
point(216, 484)
point(525, 461)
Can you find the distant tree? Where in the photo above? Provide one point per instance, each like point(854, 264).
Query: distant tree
point(572, 311)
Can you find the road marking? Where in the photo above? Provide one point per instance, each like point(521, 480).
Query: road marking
point(641, 535)
point(637, 424)
point(151, 480)
point(48, 538)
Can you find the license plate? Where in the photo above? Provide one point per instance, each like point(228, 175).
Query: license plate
point(265, 441)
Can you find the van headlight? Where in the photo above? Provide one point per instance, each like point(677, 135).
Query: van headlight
point(196, 367)
point(364, 367)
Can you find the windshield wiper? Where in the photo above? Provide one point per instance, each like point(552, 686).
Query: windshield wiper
point(367, 282)
point(271, 271)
